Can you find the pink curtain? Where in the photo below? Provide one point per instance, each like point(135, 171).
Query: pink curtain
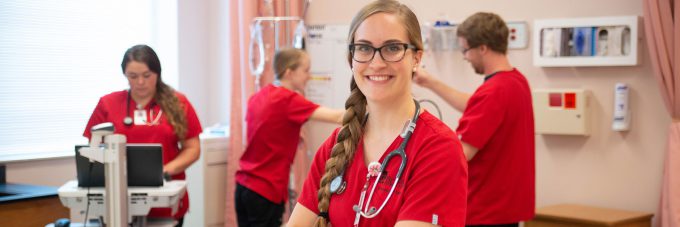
point(243, 86)
point(662, 29)
point(242, 12)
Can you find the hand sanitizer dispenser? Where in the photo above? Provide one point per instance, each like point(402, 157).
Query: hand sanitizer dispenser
point(621, 120)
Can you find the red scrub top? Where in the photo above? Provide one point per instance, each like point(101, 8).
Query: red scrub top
point(432, 188)
point(111, 108)
point(275, 116)
point(499, 121)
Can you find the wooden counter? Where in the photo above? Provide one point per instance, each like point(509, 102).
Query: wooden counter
point(564, 215)
point(26, 205)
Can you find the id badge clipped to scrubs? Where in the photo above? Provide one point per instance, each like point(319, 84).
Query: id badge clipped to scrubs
point(140, 117)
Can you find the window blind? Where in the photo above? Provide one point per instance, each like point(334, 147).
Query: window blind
point(57, 58)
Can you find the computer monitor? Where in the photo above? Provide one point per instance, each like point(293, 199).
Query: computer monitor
point(144, 167)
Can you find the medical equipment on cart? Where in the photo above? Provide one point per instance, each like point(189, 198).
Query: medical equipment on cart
point(117, 204)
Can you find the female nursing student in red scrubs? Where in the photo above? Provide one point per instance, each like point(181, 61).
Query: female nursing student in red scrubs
point(152, 112)
point(275, 115)
point(385, 50)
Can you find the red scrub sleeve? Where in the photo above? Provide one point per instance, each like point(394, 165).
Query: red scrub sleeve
point(98, 116)
point(436, 191)
point(482, 117)
point(300, 109)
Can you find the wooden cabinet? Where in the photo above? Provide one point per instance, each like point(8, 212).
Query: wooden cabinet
point(564, 215)
point(206, 183)
point(32, 212)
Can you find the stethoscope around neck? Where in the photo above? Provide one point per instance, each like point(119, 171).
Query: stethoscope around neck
point(362, 209)
point(127, 120)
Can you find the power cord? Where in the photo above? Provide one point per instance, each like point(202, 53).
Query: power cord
point(439, 112)
point(87, 196)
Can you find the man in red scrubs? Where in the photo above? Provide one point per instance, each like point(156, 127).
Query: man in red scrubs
point(497, 126)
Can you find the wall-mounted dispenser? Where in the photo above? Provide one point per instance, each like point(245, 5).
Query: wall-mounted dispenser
point(621, 120)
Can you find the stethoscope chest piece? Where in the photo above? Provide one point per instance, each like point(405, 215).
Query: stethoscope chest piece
point(338, 185)
point(127, 121)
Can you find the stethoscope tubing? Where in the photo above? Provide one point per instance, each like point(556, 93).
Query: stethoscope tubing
point(365, 212)
point(127, 121)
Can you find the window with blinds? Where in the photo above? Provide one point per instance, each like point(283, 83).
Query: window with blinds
point(58, 57)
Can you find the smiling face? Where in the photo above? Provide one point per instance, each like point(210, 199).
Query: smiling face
point(380, 80)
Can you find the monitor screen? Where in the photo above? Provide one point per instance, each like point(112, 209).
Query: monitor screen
point(144, 167)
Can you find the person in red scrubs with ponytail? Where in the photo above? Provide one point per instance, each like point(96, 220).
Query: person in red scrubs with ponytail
point(275, 116)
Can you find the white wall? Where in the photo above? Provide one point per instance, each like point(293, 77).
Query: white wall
point(609, 169)
point(204, 58)
point(52, 172)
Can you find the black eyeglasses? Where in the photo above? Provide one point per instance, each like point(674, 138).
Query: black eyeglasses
point(465, 50)
point(392, 52)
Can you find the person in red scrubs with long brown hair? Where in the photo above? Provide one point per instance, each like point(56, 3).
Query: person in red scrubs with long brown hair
point(390, 164)
point(152, 112)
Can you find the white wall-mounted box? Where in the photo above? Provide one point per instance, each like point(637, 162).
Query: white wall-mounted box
point(442, 36)
point(592, 41)
point(562, 111)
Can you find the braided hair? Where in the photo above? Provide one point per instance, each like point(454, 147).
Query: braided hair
point(352, 123)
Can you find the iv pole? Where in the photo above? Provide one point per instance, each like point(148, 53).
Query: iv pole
point(257, 41)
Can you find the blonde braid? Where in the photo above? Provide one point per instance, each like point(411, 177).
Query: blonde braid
point(352, 122)
point(344, 148)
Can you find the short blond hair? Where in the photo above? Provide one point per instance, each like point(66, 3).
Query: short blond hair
point(287, 58)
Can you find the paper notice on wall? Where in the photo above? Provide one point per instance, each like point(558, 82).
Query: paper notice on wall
point(319, 89)
point(331, 74)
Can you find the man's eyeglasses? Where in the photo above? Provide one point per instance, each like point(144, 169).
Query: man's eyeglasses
point(465, 50)
point(392, 52)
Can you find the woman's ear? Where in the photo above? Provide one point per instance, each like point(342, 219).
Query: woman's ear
point(418, 58)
